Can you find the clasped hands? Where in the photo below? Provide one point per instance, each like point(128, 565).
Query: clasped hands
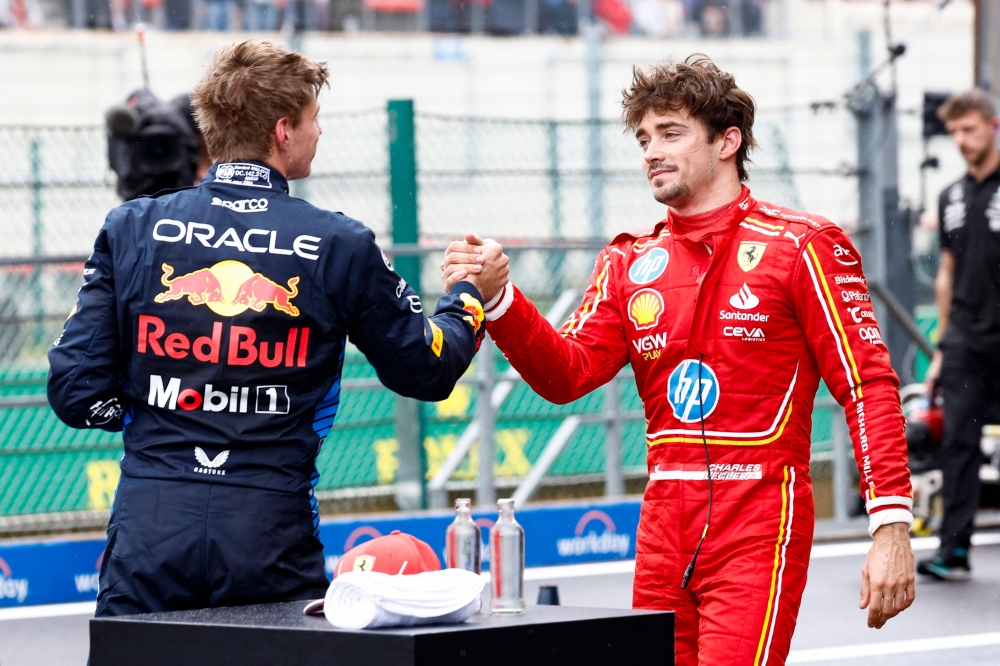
point(481, 262)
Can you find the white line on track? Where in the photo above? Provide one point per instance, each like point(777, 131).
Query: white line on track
point(48, 610)
point(892, 647)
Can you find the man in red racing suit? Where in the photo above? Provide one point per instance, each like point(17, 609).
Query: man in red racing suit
point(729, 319)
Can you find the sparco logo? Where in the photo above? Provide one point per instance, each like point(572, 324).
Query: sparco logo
point(10, 587)
point(271, 399)
point(871, 334)
point(243, 205)
point(210, 465)
point(744, 299)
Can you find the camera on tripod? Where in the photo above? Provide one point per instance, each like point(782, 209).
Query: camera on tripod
point(152, 145)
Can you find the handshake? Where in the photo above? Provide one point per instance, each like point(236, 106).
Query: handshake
point(481, 262)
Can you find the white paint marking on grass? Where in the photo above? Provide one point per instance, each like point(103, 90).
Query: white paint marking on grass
point(48, 610)
point(893, 647)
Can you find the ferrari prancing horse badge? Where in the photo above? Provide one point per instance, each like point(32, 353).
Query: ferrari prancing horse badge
point(749, 254)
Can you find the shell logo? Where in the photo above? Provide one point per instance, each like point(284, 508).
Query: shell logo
point(645, 308)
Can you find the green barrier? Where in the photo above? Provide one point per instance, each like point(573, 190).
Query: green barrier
point(47, 466)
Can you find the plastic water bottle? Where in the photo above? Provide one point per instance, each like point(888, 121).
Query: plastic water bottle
point(463, 541)
point(507, 561)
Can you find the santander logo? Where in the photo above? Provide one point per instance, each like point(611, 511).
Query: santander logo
point(744, 299)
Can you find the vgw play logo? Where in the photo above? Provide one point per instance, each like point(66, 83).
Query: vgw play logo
point(10, 587)
point(590, 542)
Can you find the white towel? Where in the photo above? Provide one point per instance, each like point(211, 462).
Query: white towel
point(369, 600)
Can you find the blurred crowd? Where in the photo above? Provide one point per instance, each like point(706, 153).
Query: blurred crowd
point(654, 18)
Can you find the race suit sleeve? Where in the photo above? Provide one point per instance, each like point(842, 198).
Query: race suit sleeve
point(564, 365)
point(414, 355)
point(84, 383)
point(834, 307)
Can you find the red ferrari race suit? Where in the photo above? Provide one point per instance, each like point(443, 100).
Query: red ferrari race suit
point(728, 328)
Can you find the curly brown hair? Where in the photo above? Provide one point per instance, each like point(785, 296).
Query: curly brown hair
point(700, 87)
point(246, 90)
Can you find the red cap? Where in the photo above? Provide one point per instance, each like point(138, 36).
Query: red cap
point(396, 553)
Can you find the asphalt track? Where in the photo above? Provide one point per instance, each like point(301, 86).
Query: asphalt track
point(954, 623)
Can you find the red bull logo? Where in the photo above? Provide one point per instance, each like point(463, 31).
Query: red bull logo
point(242, 346)
point(590, 542)
point(10, 587)
point(229, 288)
point(475, 310)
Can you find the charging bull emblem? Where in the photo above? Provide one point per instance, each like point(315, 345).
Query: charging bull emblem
point(229, 288)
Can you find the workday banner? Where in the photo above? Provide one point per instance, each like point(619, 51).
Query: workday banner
point(49, 572)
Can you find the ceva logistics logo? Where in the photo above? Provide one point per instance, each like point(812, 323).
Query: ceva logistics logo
point(592, 543)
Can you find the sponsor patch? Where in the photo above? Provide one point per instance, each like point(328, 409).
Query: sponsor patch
point(248, 175)
point(437, 338)
point(363, 563)
point(650, 346)
point(210, 465)
point(650, 266)
point(475, 309)
point(749, 254)
point(645, 308)
point(242, 205)
point(693, 398)
point(255, 241)
point(744, 299)
point(871, 335)
point(843, 256)
point(229, 288)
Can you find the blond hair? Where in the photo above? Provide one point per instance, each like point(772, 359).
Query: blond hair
point(246, 90)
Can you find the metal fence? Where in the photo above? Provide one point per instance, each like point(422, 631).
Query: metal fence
point(544, 187)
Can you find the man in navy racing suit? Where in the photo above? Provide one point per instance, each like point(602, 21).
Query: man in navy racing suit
point(211, 330)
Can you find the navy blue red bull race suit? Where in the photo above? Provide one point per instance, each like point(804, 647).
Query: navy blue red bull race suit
point(211, 330)
point(729, 320)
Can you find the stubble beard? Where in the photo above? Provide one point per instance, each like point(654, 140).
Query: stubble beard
point(673, 195)
point(981, 156)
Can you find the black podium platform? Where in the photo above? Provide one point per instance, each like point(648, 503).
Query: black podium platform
point(280, 634)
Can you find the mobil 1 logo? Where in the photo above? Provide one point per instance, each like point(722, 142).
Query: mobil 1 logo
point(265, 399)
